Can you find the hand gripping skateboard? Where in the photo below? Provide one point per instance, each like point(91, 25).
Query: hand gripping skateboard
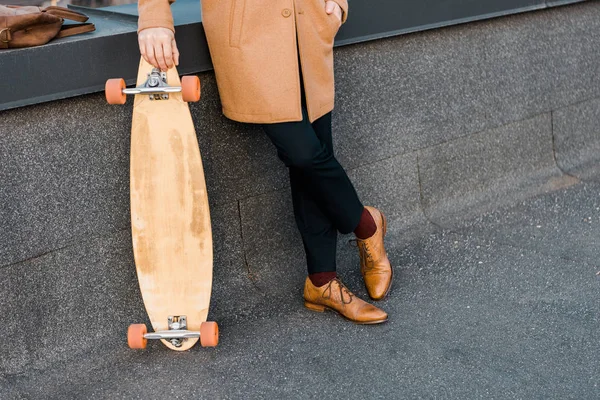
point(170, 219)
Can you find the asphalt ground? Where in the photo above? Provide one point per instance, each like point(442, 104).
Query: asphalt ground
point(505, 307)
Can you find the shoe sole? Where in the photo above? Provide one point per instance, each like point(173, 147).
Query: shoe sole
point(321, 308)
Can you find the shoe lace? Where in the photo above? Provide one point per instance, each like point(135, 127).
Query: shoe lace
point(343, 289)
point(362, 244)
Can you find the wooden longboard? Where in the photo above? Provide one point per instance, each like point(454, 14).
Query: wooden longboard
point(170, 219)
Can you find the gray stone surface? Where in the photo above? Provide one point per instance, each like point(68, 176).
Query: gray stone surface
point(239, 159)
point(470, 318)
point(478, 172)
point(272, 244)
point(230, 273)
point(62, 303)
point(550, 224)
point(577, 138)
point(392, 185)
point(8, 390)
point(409, 92)
point(64, 173)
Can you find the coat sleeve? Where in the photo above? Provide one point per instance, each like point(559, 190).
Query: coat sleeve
point(155, 14)
point(344, 6)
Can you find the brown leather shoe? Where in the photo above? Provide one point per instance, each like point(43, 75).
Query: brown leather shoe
point(375, 266)
point(335, 296)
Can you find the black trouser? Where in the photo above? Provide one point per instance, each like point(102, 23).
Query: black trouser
point(323, 197)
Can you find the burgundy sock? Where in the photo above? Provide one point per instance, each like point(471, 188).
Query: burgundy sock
point(322, 278)
point(366, 227)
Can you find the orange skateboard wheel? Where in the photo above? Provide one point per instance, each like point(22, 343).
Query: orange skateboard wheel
point(190, 88)
point(113, 90)
point(209, 334)
point(135, 336)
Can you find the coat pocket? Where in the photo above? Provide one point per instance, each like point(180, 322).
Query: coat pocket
point(337, 24)
point(236, 19)
point(330, 24)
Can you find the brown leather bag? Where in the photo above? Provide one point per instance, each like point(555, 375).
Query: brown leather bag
point(32, 26)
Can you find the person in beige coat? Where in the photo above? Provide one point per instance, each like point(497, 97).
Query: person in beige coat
point(273, 63)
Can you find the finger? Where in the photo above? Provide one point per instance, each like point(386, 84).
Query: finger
point(175, 52)
point(329, 7)
point(160, 57)
point(168, 53)
point(143, 49)
point(143, 42)
point(150, 54)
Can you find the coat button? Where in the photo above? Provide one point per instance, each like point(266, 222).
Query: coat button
point(286, 12)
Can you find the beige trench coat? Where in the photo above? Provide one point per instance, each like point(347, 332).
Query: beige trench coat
point(254, 47)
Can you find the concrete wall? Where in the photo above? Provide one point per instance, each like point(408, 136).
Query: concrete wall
point(434, 128)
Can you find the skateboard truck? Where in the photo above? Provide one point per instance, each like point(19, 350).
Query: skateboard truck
point(156, 87)
point(177, 334)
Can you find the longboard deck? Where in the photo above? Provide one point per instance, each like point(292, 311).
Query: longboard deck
point(170, 219)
